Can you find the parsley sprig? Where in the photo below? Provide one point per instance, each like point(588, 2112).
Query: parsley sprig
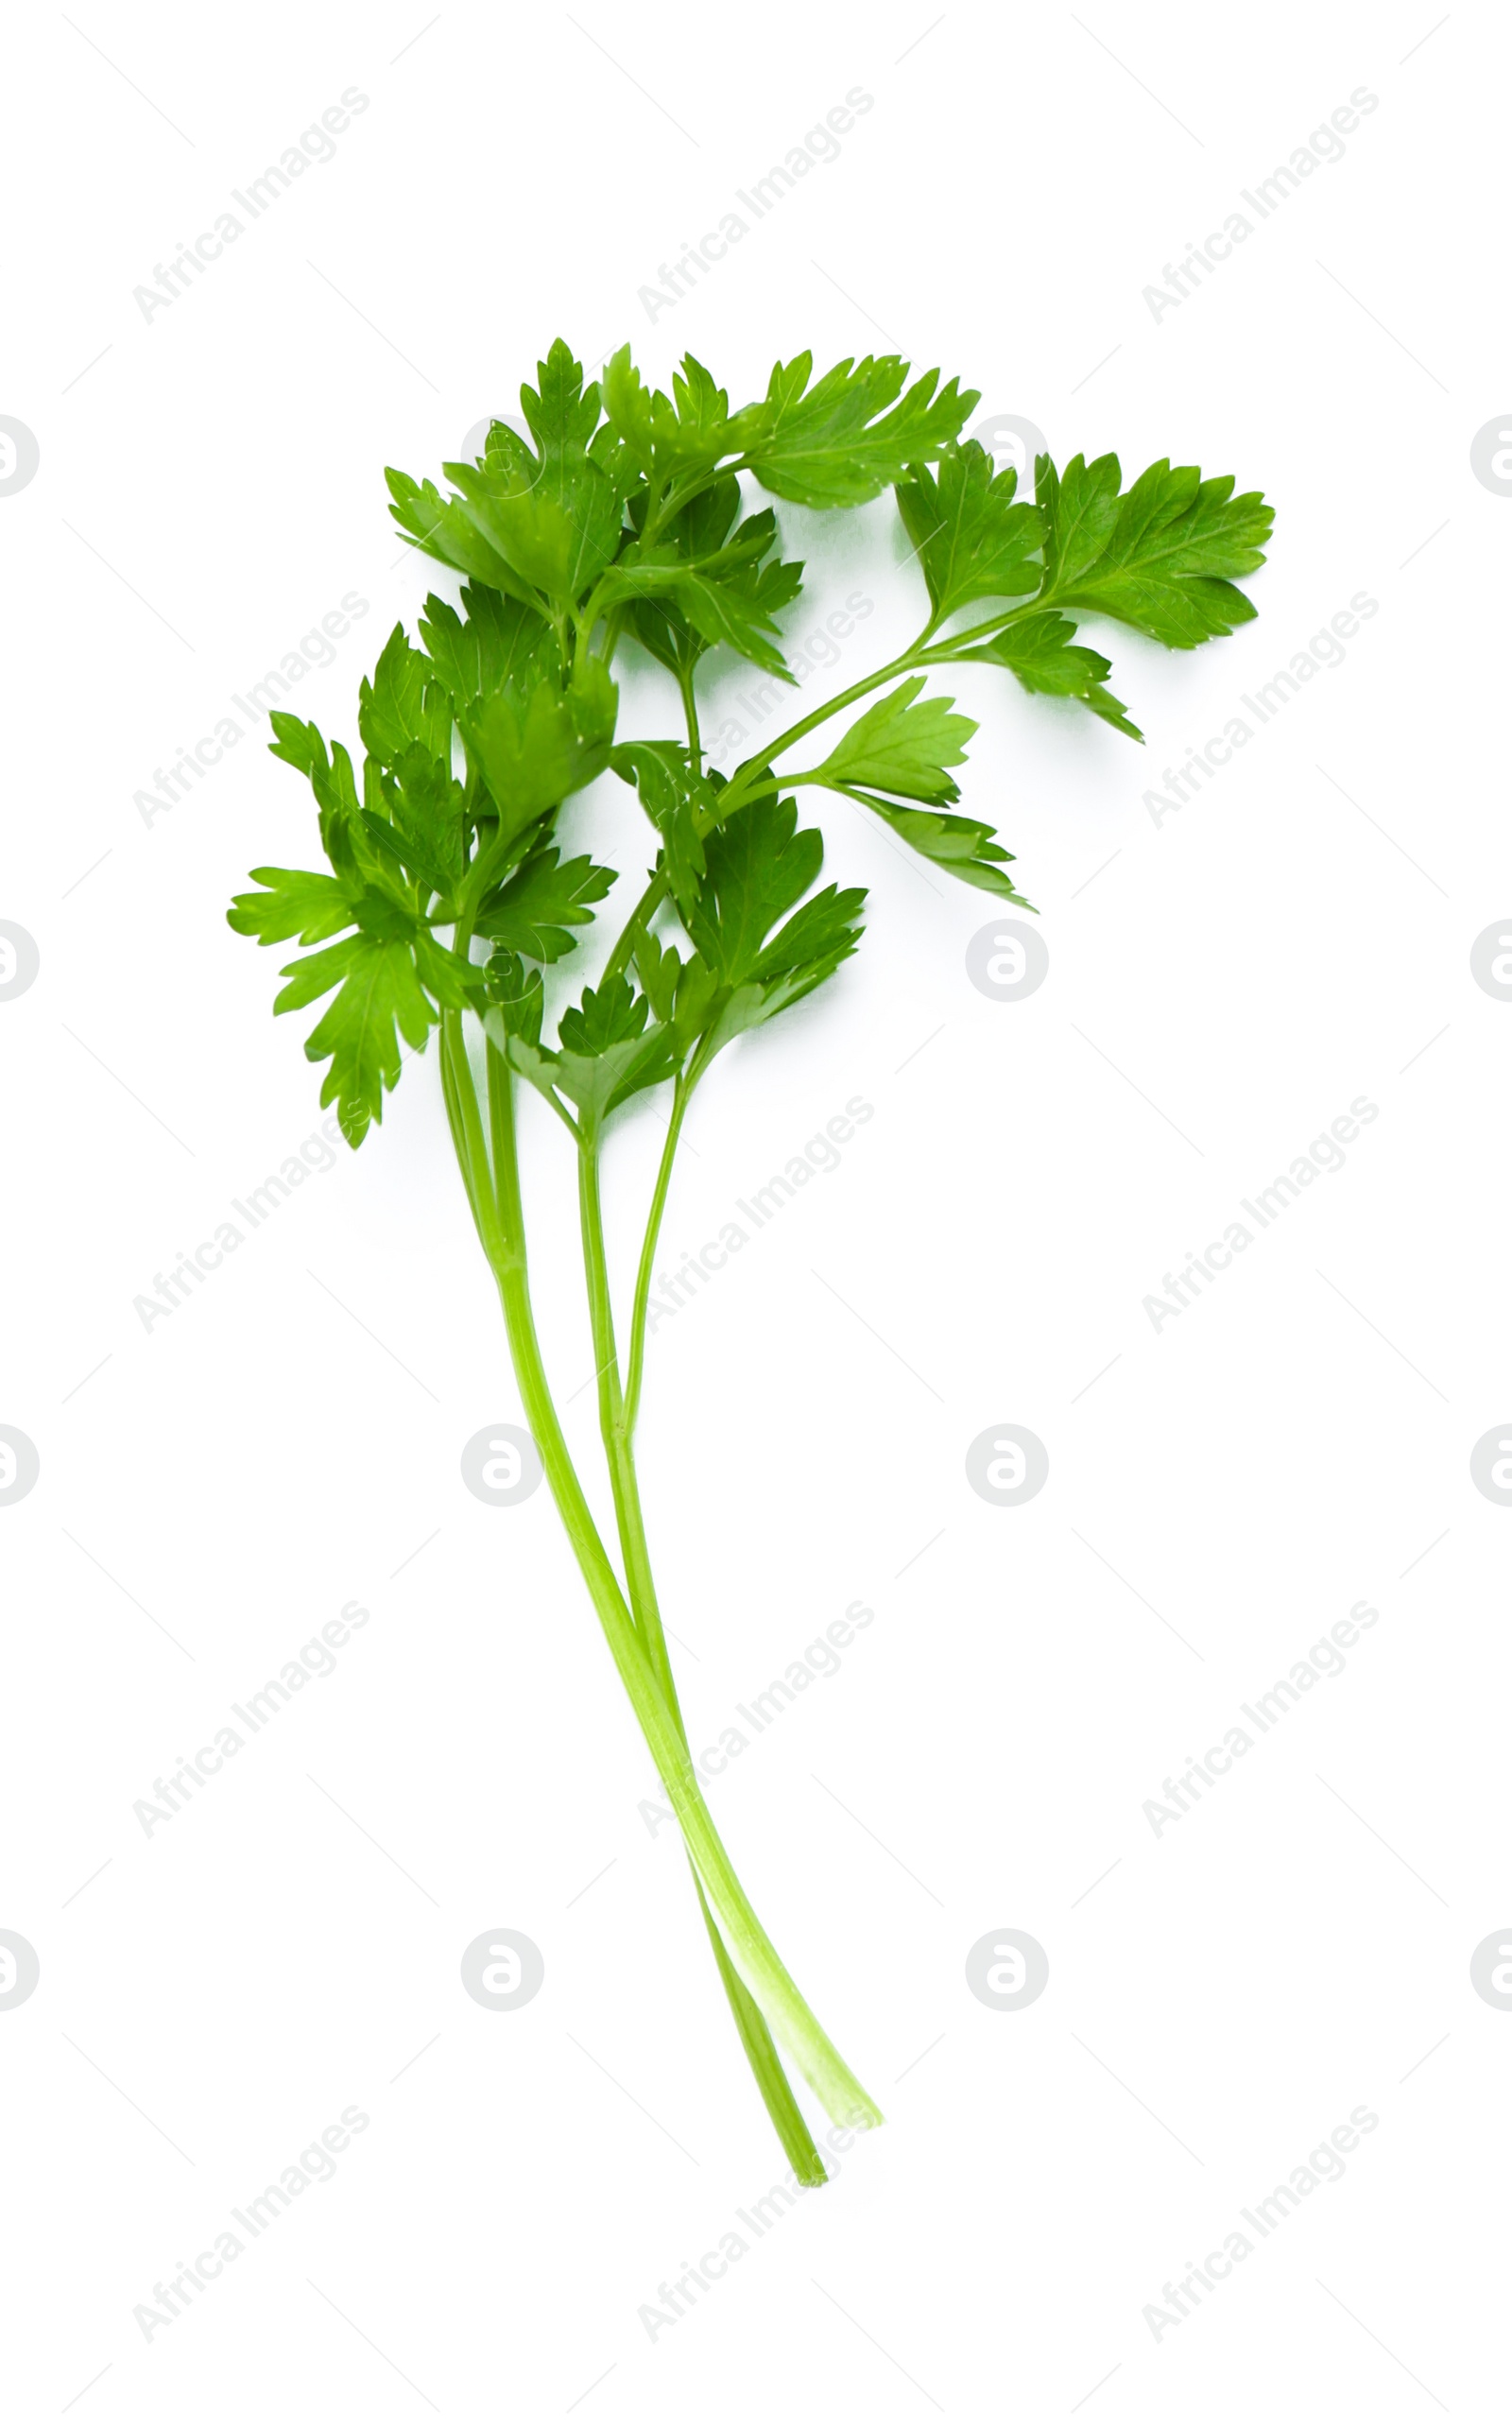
point(448, 899)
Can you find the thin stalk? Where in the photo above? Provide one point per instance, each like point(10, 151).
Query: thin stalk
point(690, 710)
point(743, 782)
point(922, 653)
point(751, 773)
point(617, 1420)
point(748, 776)
point(635, 1367)
point(751, 1950)
point(784, 2109)
point(635, 928)
point(939, 653)
point(468, 1142)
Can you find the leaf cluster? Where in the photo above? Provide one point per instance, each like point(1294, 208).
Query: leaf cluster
point(623, 512)
point(1162, 557)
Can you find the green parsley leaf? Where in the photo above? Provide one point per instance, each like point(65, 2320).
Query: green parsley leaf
point(609, 1015)
point(741, 974)
point(836, 443)
point(534, 754)
point(610, 1050)
point(902, 744)
point(525, 524)
point(963, 846)
point(405, 705)
point(680, 993)
point(679, 802)
point(553, 518)
point(345, 844)
point(504, 449)
point(443, 528)
point(1162, 557)
point(563, 414)
point(630, 408)
point(971, 540)
point(423, 826)
point(516, 999)
point(556, 534)
point(813, 942)
point(303, 746)
point(739, 611)
point(378, 992)
point(499, 644)
point(757, 869)
point(298, 902)
point(545, 897)
point(687, 432)
point(702, 582)
point(1043, 653)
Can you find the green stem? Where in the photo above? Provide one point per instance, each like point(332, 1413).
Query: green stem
point(920, 653)
point(595, 1266)
point(683, 1090)
point(635, 928)
point(940, 653)
point(615, 1426)
point(501, 1227)
point(467, 1135)
point(655, 893)
point(690, 710)
point(751, 775)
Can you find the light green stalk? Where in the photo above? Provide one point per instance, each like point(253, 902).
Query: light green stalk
point(617, 1424)
point(493, 1183)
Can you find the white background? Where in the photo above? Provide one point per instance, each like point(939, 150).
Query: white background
point(1221, 987)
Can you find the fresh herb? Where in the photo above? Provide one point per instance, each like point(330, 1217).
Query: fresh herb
point(449, 897)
